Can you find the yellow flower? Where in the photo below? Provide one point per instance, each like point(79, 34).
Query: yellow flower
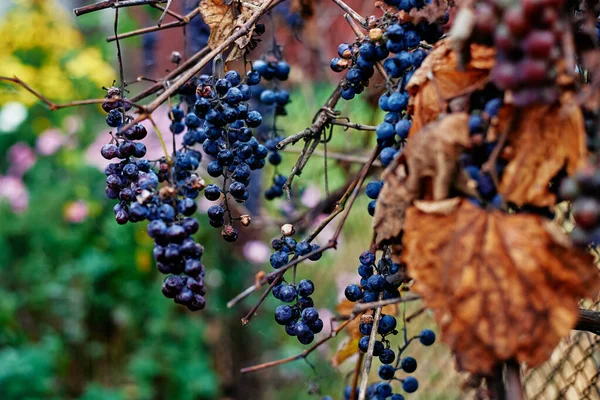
point(11, 66)
point(89, 64)
point(42, 30)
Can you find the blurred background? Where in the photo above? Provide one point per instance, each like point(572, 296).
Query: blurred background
point(81, 311)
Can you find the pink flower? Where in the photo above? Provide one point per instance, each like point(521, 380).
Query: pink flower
point(72, 124)
point(311, 196)
point(256, 252)
point(20, 157)
point(14, 191)
point(287, 208)
point(204, 204)
point(326, 233)
point(49, 142)
point(76, 211)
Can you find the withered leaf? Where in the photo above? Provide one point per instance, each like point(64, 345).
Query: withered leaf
point(349, 346)
point(444, 207)
point(546, 138)
point(501, 286)
point(439, 79)
point(388, 9)
point(222, 17)
point(426, 169)
point(433, 154)
point(306, 8)
point(431, 12)
point(392, 203)
point(239, 47)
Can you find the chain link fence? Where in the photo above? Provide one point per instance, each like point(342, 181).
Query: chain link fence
point(571, 373)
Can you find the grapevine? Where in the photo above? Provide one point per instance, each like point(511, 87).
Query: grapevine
point(482, 174)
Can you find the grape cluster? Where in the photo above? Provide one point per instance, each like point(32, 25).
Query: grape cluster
point(274, 69)
point(276, 188)
point(485, 107)
point(198, 30)
point(372, 191)
point(360, 58)
point(385, 38)
point(134, 181)
point(390, 364)
point(527, 37)
point(300, 319)
point(372, 286)
point(583, 190)
point(222, 122)
point(403, 40)
point(399, 44)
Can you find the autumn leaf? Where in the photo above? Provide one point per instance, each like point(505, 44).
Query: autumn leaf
point(222, 16)
point(439, 80)
point(545, 138)
point(427, 168)
point(431, 12)
point(501, 286)
point(393, 200)
point(306, 8)
point(349, 346)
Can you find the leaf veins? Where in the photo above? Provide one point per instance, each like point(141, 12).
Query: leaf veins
point(502, 286)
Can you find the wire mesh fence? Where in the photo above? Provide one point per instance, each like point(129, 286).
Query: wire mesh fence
point(571, 373)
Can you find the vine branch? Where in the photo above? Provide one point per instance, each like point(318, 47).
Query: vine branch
point(350, 125)
point(197, 67)
point(343, 205)
point(162, 83)
point(312, 133)
point(301, 355)
point(159, 27)
point(364, 380)
point(102, 5)
point(337, 156)
point(350, 11)
point(57, 106)
point(514, 388)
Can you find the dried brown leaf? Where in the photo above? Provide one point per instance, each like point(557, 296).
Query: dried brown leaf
point(431, 12)
point(439, 79)
point(347, 349)
point(306, 8)
point(349, 346)
point(433, 154)
point(545, 139)
point(223, 17)
point(389, 9)
point(501, 286)
point(427, 169)
point(443, 207)
point(392, 203)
